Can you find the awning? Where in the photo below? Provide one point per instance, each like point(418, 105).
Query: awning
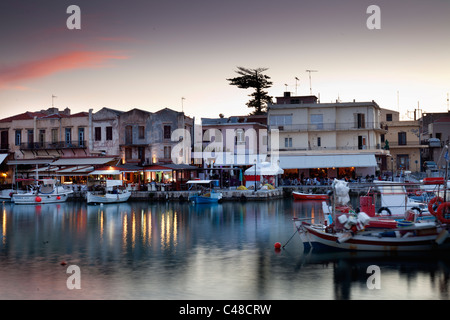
point(328, 161)
point(229, 158)
point(82, 161)
point(3, 157)
point(29, 161)
point(264, 169)
point(105, 172)
point(75, 171)
point(157, 168)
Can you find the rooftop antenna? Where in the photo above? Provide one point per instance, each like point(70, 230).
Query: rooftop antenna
point(310, 86)
point(286, 90)
point(53, 97)
point(398, 101)
point(182, 104)
point(448, 106)
point(296, 85)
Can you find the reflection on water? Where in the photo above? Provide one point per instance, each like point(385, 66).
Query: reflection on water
point(184, 251)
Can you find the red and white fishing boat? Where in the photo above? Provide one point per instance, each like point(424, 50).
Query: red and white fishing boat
point(309, 196)
point(364, 232)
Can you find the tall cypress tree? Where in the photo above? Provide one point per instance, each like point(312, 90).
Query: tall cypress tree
point(256, 79)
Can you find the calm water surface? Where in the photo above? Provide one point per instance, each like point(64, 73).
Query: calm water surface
point(177, 251)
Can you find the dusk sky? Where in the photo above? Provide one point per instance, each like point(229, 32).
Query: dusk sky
point(149, 54)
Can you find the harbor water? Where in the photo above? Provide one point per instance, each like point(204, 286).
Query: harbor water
point(179, 250)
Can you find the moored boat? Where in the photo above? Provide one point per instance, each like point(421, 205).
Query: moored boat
point(114, 193)
point(353, 231)
point(203, 193)
point(308, 196)
point(47, 192)
point(109, 197)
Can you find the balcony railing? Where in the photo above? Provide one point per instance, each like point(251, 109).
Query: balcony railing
point(312, 148)
point(328, 126)
point(53, 145)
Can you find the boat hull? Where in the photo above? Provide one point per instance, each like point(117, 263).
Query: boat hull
point(408, 239)
point(107, 198)
point(40, 198)
point(201, 199)
point(308, 196)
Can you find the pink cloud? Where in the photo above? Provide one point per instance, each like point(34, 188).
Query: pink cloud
point(58, 63)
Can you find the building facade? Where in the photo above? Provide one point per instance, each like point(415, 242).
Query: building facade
point(333, 140)
point(145, 138)
point(403, 140)
point(435, 132)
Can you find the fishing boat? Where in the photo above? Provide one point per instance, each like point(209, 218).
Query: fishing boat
point(308, 196)
point(114, 193)
point(48, 191)
point(204, 193)
point(109, 197)
point(361, 232)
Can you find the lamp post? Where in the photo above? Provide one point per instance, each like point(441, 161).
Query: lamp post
point(392, 166)
point(256, 162)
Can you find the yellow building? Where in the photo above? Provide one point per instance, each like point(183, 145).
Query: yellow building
point(403, 139)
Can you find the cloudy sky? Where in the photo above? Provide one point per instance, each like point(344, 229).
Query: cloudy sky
point(150, 54)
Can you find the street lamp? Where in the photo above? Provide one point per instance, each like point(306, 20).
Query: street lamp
point(392, 166)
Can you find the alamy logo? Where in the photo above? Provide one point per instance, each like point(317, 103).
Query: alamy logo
point(374, 21)
point(374, 280)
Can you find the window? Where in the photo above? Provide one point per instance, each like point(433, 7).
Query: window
point(81, 137)
point(240, 137)
point(128, 135)
point(360, 119)
point(389, 117)
point(382, 137)
point(362, 142)
point(288, 142)
point(281, 120)
point(108, 133)
point(98, 133)
point(41, 137)
point(403, 162)
point(30, 138)
point(402, 138)
point(68, 135)
point(18, 139)
point(167, 152)
point(167, 132)
point(319, 142)
point(54, 135)
point(316, 121)
point(128, 153)
point(142, 132)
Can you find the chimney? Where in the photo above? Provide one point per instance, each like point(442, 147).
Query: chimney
point(287, 94)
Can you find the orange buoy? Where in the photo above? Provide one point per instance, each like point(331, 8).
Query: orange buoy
point(58, 198)
point(63, 263)
point(38, 199)
point(277, 245)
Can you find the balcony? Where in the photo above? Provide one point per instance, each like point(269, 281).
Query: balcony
point(35, 146)
point(329, 127)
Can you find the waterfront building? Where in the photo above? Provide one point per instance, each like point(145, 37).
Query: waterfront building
point(145, 138)
point(104, 133)
point(435, 132)
point(230, 145)
point(327, 140)
point(403, 140)
point(34, 139)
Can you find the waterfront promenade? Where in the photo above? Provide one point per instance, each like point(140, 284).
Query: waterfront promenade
point(233, 194)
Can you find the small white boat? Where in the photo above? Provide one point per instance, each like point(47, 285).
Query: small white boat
point(204, 192)
point(114, 194)
point(47, 192)
point(109, 197)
